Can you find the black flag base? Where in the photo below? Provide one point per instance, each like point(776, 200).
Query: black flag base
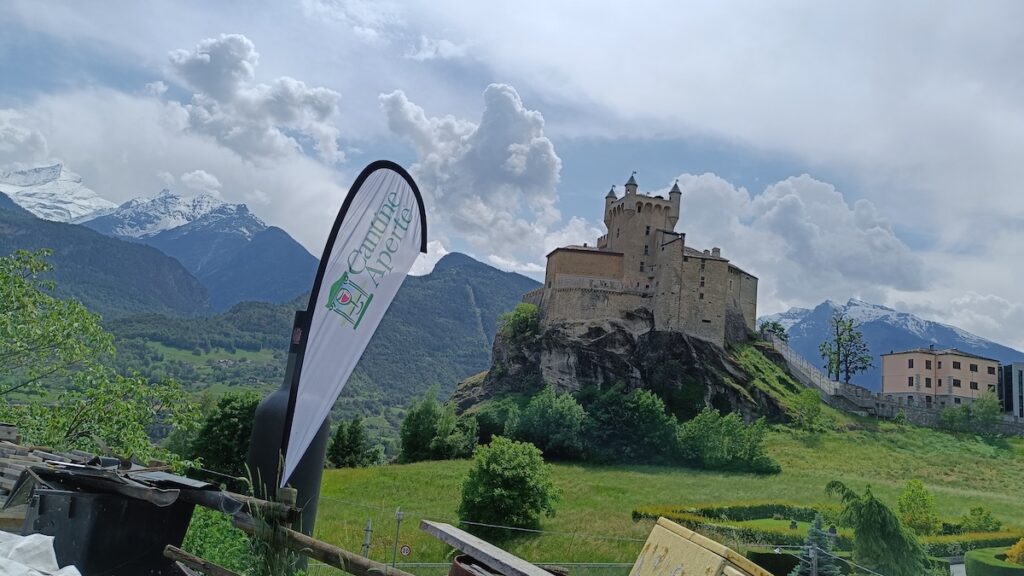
point(265, 458)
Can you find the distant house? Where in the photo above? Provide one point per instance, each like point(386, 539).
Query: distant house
point(1011, 388)
point(930, 377)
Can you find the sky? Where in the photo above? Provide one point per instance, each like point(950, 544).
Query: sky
point(835, 150)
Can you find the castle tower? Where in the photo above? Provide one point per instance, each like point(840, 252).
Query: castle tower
point(631, 184)
point(675, 198)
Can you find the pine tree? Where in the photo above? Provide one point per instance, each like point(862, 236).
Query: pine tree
point(336, 452)
point(821, 543)
point(358, 451)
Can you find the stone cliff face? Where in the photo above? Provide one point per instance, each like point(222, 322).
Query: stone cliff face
point(688, 373)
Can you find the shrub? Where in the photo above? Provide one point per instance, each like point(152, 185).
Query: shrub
point(1016, 552)
point(719, 442)
point(223, 439)
point(509, 484)
point(979, 520)
point(212, 536)
point(916, 506)
point(554, 423)
point(521, 322)
point(957, 544)
point(991, 562)
point(807, 412)
point(630, 428)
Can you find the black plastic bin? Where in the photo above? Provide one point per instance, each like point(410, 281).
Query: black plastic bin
point(108, 534)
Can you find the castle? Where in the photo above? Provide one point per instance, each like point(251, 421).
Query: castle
point(643, 263)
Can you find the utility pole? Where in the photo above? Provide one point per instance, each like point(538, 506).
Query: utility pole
point(814, 560)
point(367, 533)
point(398, 526)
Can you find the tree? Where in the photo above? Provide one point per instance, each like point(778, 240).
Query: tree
point(769, 328)
point(880, 541)
point(986, 413)
point(808, 413)
point(509, 485)
point(633, 427)
point(719, 442)
point(106, 413)
point(818, 543)
point(419, 427)
point(42, 337)
point(980, 520)
point(845, 352)
point(520, 322)
point(222, 442)
point(554, 423)
point(916, 506)
point(454, 437)
point(350, 447)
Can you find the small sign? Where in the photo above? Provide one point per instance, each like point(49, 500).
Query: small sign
point(406, 550)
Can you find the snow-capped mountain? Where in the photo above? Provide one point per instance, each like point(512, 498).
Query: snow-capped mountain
point(145, 217)
point(885, 330)
point(53, 193)
point(227, 247)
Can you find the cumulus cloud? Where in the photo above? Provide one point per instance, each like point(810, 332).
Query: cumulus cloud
point(258, 121)
point(20, 142)
point(494, 182)
point(424, 263)
point(801, 238)
point(201, 181)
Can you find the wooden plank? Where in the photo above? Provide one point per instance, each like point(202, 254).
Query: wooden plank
point(196, 563)
point(482, 551)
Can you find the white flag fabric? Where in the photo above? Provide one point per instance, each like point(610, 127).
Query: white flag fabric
point(379, 232)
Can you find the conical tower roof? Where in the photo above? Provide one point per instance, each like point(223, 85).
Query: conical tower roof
point(611, 193)
point(675, 188)
point(632, 179)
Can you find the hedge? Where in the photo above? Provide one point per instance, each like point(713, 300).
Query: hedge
point(741, 511)
point(991, 562)
point(958, 544)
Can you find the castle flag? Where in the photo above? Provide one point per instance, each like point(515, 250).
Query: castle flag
point(380, 230)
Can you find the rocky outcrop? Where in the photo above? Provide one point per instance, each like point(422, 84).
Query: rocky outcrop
point(688, 373)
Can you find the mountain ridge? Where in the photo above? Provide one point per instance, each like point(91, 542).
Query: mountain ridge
point(53, 193)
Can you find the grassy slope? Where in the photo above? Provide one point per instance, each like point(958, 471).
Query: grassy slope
point(598, 500)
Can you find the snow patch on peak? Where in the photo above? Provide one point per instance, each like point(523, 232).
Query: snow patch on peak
point(146, 217)
point(788, 318)
point(53, 193)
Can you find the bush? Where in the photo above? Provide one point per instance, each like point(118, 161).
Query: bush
point(719, 442)
point(916, 506)
point(631, 427)
point(223, 439)
point(980, 520)
point(523, 321)
point(212, 536)
point(509, 485)
point(1016, 552)
point(554, 423)
point(991, 562)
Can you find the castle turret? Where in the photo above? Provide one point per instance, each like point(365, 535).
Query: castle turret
point(675, 196)
point(631, 184)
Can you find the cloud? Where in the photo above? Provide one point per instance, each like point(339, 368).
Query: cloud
point(801, 238)
point(493, 183)
point(437, 49)
point(201, 181)
point(424, 263)
point(157, 88)
point(258, 121)
point(20, 142)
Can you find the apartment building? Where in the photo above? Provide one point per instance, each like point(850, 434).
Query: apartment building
point(930, 377)
point(1011, 388)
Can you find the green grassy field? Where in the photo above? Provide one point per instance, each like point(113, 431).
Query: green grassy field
point(594, 524)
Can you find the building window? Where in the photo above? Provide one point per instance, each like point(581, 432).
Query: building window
point(616, 232)
point(928, 399)
point(940, 364)
point(956, 383)
point(910, 363)
point(647, 232)
point(641, 269)
point(991, 369)
point(686, 258)
point(991, 387)
point(701, 297)
point(927, 364)
point(647, 250)
point(910, 381)
point(956, 365)
point(974, 367)
point(702, 263)
point(956, 400)
point(927, 382)
point(701, 282)
point(974, 385)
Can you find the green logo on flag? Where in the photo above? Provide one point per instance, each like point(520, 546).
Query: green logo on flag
point(349, 300)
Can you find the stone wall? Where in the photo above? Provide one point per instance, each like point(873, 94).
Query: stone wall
point(702, 311)
point(582, 262)
point(589, 302)
point(743, 295)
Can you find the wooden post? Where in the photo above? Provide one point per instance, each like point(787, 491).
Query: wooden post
point(315, 549)
point(196, 563)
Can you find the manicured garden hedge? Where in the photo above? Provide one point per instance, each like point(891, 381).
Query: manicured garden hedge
point(991, 562)
point(957, 544)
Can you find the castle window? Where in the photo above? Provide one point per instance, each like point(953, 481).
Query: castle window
point(702, 263)
point(646, 250)
point(641, 269)
point(701, 282)
point(616, 232)
point(701, 296)
point(647, 232)
point(639, 208)
point(686, 258)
